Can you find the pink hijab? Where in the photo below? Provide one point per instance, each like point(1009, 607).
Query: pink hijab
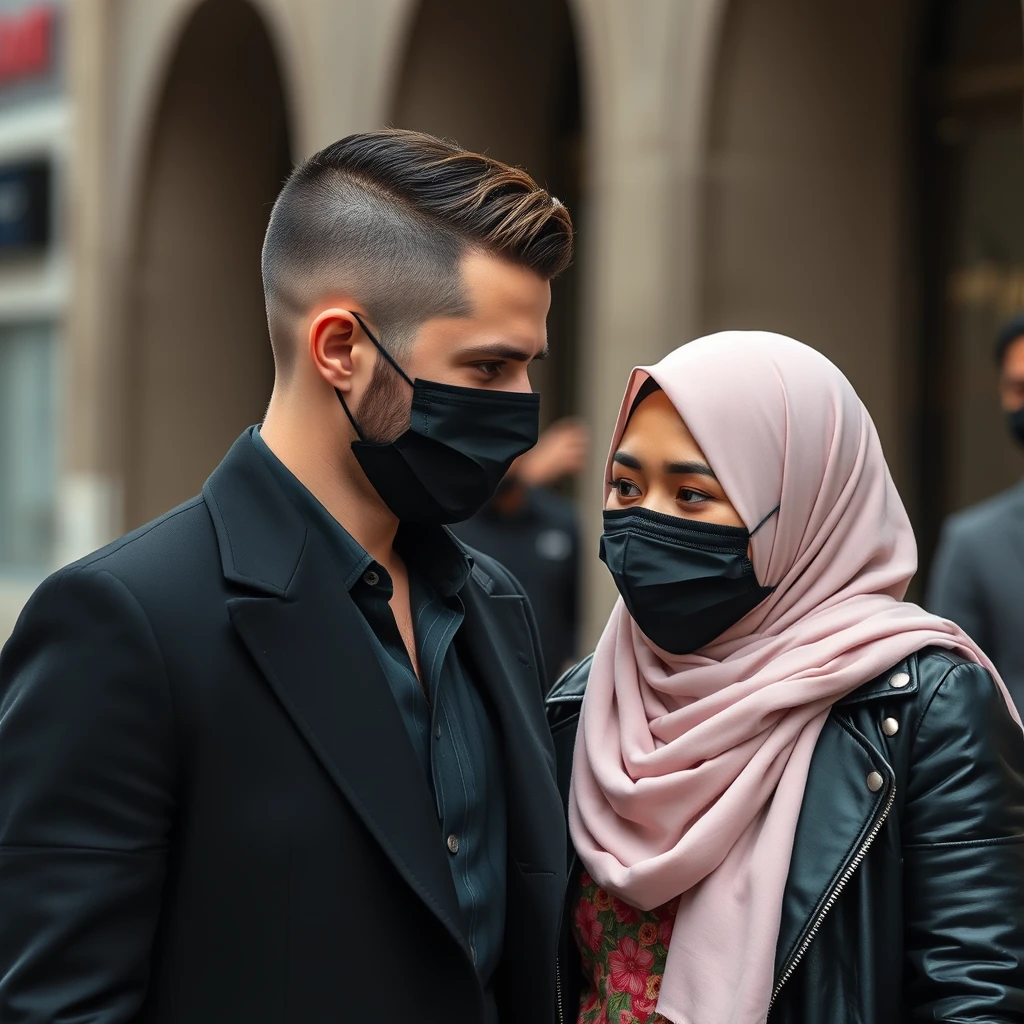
point(690, 770)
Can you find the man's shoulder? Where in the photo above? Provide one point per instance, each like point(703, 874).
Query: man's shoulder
point(180, 539)
point(995, 513)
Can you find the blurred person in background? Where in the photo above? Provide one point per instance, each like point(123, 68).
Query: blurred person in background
point(977, 578)
point(535, 532)
point(281, 755)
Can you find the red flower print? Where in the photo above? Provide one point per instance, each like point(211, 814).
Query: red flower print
point(628, 967)
point(648, 935)
point(643, 1008)
point(625, 1017)
point(586, 881)
point(603, 899)
point(625, 913)
point(665, 931)
point(591, 930)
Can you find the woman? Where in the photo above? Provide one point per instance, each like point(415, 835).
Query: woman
point(793, 797)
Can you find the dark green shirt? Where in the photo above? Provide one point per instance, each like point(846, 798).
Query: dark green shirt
point(452, 732)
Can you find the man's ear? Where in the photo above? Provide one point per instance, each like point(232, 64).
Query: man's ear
point(333, 333)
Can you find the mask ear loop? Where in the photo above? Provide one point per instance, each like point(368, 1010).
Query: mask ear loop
point(765, 520)
point(382, 350)
point(387, 355)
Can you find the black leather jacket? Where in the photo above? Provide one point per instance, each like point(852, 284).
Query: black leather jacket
point(905, 900)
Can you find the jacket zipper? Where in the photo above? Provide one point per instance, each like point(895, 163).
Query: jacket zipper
point(558, 990)
point(833, 897)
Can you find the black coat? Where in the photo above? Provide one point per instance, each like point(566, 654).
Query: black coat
point(210, 810)
point(907, 903)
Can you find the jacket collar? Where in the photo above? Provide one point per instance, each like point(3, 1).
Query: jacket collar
point(901, 680)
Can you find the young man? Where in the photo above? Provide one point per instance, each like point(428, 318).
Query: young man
point(977, 579)
point(281, 755)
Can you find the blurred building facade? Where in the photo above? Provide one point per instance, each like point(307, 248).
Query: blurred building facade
point(847, 174)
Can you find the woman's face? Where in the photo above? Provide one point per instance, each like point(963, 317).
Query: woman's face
point(659, 466)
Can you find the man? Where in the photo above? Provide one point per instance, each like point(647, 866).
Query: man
point(281, 755)
point(978, 576)
point(530, 527)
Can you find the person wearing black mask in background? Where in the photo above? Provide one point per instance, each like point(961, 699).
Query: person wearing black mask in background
point(977, 578)
point(536, 531)
point(281, 755)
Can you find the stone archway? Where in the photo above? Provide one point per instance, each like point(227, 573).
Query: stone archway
point(198, 361)
point(503, 79)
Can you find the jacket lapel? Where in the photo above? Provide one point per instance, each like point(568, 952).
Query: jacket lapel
point(305, 634)
point(509, 679)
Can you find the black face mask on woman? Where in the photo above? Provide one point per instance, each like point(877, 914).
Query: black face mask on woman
point(459, 444)
point(683, 581)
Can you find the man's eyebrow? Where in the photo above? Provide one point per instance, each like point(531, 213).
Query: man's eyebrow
point(503, 350)
point(629, 461)
point(699, 468)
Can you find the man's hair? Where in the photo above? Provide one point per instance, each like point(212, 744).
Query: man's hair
point(1010, 332)
point(387, 217)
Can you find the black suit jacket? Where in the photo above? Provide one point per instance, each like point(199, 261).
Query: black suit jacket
point(210, 810)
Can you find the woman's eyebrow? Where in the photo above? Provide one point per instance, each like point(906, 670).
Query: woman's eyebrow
point(700, 468)
point(629, 461)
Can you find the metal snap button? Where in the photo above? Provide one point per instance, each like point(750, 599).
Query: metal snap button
point(890, 727)
point(370, 578)
point(453, 842)
point(875, 782)
point(899, 679)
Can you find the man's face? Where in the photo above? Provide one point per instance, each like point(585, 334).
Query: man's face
point(494, 345)
point(491, 348)
point(1011, 381)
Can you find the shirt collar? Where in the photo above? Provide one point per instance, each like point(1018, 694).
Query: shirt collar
point(432, 551)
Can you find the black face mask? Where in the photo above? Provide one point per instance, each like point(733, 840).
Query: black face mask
point(458, 447)
point(1016, 421)
point(684, 582)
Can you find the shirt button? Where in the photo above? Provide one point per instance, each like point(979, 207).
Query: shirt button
point(453, 844)
point(370, 578)
point(437, 731)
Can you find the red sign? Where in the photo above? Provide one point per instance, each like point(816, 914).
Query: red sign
point(26, 44)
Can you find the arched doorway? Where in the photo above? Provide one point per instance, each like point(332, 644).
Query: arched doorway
point(805, 218)
point(503, 79)
point(198, 354)
point(971, 171)
point(864, 196)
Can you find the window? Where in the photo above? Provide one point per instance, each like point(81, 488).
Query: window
point(28, 450)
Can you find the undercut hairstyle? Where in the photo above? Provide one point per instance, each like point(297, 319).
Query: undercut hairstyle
point(1011, 331)
point(387, 218)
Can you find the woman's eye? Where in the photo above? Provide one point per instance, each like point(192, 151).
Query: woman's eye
point(625, 488)
point(691, 497)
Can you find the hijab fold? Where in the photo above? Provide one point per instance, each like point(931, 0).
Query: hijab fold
point(690, 770)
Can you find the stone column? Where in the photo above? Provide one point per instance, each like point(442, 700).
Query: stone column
point(646, 72)
point(89, 512)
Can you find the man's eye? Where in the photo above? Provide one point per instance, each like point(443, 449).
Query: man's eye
point(490, 369)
